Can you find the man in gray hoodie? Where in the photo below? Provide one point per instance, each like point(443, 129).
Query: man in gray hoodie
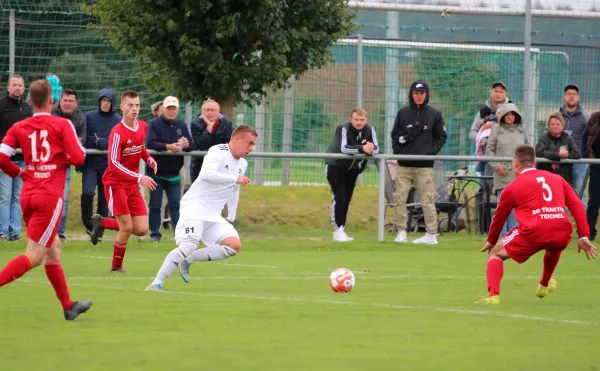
point(576, 119)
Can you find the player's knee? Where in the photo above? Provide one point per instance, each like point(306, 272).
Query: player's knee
point(187, 247)
point(233, 243)
point(140, 230)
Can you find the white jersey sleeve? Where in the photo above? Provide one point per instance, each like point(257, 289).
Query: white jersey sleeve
point(210, 167)
point(233, 200)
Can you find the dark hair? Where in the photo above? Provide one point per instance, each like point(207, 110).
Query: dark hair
point(525, 155)
point(69, 92)
point(129, 94)
point(244, 129)
point(40, 91)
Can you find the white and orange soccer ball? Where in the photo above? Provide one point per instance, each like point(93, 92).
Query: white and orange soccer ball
point(342, 280)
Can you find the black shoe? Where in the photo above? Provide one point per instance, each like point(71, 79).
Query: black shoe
point(62, 238)
point(97, 229)
point(119, 270)
point(76, 309)
point(155, 238)
point(15, 238)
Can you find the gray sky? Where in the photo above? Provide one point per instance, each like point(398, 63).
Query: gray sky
point(583, 5)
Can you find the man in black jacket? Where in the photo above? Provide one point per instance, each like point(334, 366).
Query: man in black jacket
point(67, 107)
point(166, 133)
point(419, 130)
point(352, 138)
point(209, 129)
point(12, 110)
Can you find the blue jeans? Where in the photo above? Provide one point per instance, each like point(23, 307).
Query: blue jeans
point(578, 175)
point(511, 222)
point(63, 220)
point(173, 191)
point(10, 203)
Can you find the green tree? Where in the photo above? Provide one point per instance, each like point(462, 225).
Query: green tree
point(230, 50)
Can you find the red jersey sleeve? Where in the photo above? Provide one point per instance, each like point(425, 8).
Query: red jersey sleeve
point(577, 210)
point(505, 206)
point(114, 156)
point(145, 154)
point(9, 145)
point(73, 147)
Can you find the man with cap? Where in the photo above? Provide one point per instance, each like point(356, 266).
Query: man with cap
point(167, 133)
point(419, 129)
point(576, 119)
point(486, 117)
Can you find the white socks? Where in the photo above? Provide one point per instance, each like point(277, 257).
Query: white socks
point(171, 263)
point(211, 253)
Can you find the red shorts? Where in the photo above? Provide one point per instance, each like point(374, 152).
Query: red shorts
point(42, 214)
point(520, 249)
point(125, 201)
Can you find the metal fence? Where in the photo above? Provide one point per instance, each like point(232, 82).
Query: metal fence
point(459, 46)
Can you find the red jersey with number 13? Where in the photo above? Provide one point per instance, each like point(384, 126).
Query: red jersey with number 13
point(49, 146)
point(539, 199)
point(125, 149)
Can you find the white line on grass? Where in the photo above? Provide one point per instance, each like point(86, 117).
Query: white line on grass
point(347, 303)
point(227, 264)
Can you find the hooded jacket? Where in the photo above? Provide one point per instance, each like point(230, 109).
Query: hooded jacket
point(418, 130)
point(12, 111)
point(99, 125)
point(503, 141)
point(349, 140)
point(485, 111)
point(77, 118)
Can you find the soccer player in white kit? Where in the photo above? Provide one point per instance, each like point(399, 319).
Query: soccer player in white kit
point(200, 218)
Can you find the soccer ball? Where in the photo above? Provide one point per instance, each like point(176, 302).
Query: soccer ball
point(342, 280)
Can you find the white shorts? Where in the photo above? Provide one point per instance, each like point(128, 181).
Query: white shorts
point(210, 233)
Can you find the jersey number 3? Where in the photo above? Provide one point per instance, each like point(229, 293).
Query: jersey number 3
point(546, 190)
point(43, 153)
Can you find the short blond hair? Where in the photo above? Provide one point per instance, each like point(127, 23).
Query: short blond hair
point(359, 111)
point(558, 116)
point(244, 129)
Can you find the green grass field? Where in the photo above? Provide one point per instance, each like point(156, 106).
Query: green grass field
point(271, 308)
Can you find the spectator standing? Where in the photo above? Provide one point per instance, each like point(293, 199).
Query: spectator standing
point(352, 138)
point(419, 129)
point(99, 124)
point(576, 119)
point(209, 129)
point(504, 140)
point(557, 145)
point(167, 133)
point(67, 107)
point(12, 110)
point(590, 146)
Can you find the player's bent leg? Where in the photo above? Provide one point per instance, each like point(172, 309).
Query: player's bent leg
point(139, 225)
point(176, 257)
point(120, 243)
point(548, 284)
point(20, 265)
point(494, 273)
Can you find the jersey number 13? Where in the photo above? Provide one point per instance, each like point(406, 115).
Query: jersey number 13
point(39, 137)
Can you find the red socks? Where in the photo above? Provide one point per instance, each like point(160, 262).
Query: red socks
point(118, 254)
point(495, 270)
point(56, 276)
point(15, 269)
point(550, 261)
point(110, 223)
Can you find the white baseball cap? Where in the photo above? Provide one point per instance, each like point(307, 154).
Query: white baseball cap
point(171, 101)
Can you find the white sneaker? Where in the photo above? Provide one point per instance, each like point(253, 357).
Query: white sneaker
point(401, 237)
point(429, 239)
point(340, 236)
point(345, 235)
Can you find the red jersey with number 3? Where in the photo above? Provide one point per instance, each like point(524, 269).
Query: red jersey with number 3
point(49, 146)
point(540, 199)
point(125, 150)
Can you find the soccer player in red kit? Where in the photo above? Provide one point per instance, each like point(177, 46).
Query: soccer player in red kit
point(539, 199)
point(50, 146)
point(122, 179)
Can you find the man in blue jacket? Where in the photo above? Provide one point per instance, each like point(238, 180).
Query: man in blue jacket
point(99, 124)
point(209, 129)
point(166, 133)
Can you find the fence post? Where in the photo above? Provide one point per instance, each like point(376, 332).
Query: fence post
point(11, 43)
point(288, 124)
point(259, 162)
point(381, 203)
point(528, 118)
point(187, 159)
point(359, 82)
point(391, 79)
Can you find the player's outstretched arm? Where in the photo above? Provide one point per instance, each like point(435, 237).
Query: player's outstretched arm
point(577, 210)
point(7, 149)
point(72, 145)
